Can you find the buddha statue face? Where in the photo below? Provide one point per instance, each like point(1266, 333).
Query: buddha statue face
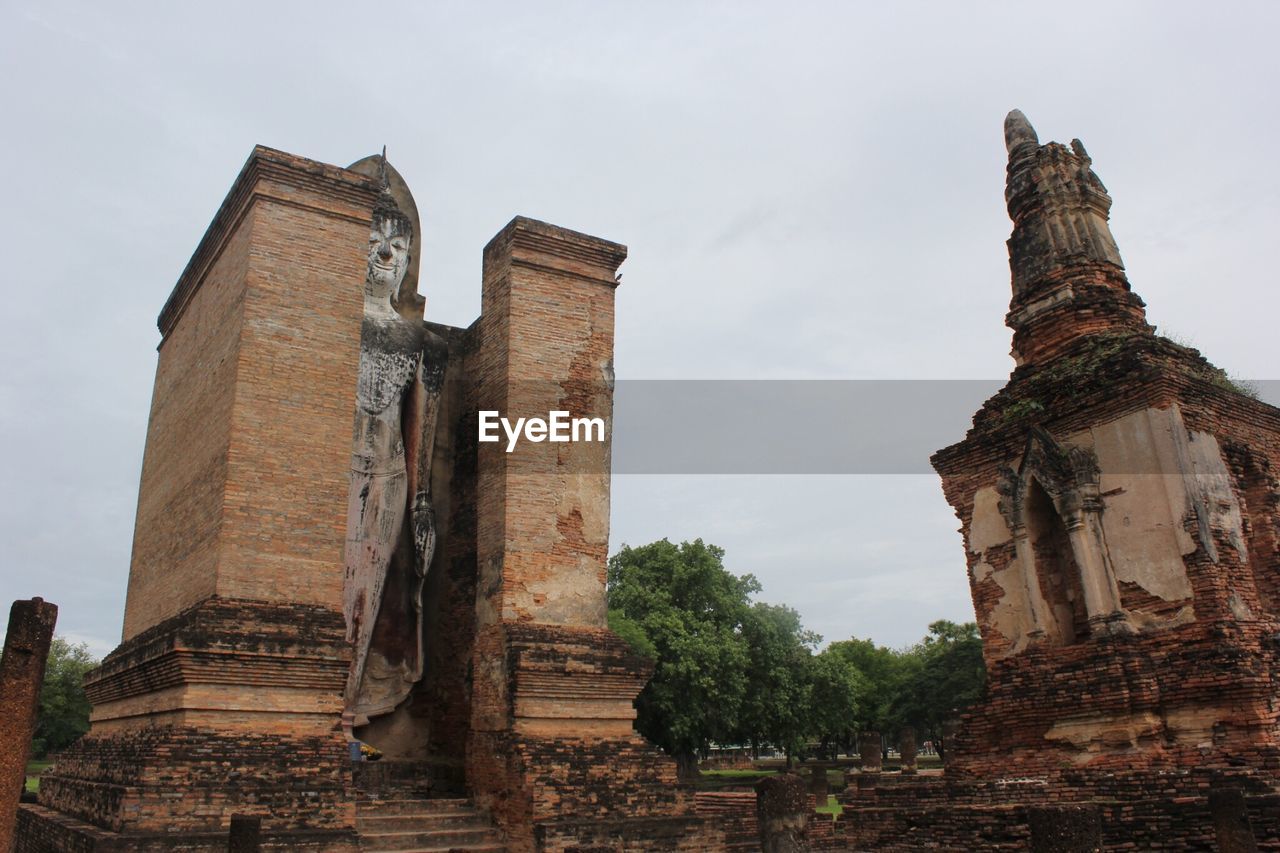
point(388, 257)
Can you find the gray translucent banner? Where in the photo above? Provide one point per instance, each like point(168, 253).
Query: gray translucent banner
point(779, 426)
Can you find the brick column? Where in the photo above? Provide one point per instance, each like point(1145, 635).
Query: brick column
point(870, 751)
point(552, 751)
point(818, 784)
point(782, 814)
point(545, 344)
point(907, 749)
point(26, 650)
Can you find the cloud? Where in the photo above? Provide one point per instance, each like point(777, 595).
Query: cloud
point(812, 192)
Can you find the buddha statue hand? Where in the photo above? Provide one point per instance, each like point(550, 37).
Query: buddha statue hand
point(424, 531)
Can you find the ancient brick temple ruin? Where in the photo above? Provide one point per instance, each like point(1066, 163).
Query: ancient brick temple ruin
point(1118, 500)
point(295, 582)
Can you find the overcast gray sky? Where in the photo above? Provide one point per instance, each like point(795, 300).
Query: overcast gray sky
point(808, 191)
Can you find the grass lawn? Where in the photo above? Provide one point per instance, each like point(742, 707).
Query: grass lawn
point(34, 769)
point(832, 807)
point(717, 780)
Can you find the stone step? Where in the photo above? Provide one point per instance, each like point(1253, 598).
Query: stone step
point(439, 839)
point(494, 847)
point(425, 825)
point(366, 823)
point(416, 805)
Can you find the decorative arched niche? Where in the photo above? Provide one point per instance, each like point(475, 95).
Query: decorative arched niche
point(1054, 510)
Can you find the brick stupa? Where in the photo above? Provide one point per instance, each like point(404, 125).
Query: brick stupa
point(1118, 502)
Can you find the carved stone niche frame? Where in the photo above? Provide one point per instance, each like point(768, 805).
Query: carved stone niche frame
point(1069, 477)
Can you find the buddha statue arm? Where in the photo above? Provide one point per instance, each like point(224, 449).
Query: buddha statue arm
point(426, 392)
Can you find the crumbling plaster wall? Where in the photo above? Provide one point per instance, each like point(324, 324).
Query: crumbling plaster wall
point(1147, 523)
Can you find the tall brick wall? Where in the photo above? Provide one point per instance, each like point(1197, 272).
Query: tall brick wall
point(225, 695)
point(184, 467)
point(245, 471)
point(288, 463)
point(256, 384)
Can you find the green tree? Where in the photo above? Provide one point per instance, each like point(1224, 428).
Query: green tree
point(778, 706)
point(679, 604)
point(943, 675)
point(881, 669)
point(64, 709)
point(837, 694)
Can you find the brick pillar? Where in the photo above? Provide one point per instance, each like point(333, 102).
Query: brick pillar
point(1231, 821)
point(1065, 829)
point(869, 749)
point(782, 814)
point(818, 784)
point(865, 784)
point(544, 343)
point(26, 650)
point(950, 727)
point(552, 751)
point(907, 749)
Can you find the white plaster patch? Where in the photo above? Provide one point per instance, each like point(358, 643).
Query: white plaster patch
point(1147, 621)
point(589, 495)
point(1192, 725)
point(988, 529)
point(988, 526)
point(1145, 500)
point(1010, 616)
point(1095, 734)
point(1217, 509)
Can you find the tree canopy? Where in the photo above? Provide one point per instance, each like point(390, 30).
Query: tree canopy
point(679, 604)
point(64, 710)
point(731, 670)
point(941, 676)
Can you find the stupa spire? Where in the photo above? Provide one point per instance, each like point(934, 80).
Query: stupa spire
point(1068, 278)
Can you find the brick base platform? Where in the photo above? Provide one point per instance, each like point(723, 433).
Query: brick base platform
point(41, 830)
point(1138, 811)
point(559, 766)
point(176, 788)
point(228, 708)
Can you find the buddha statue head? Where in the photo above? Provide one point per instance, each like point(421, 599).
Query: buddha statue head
point(390, 239)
